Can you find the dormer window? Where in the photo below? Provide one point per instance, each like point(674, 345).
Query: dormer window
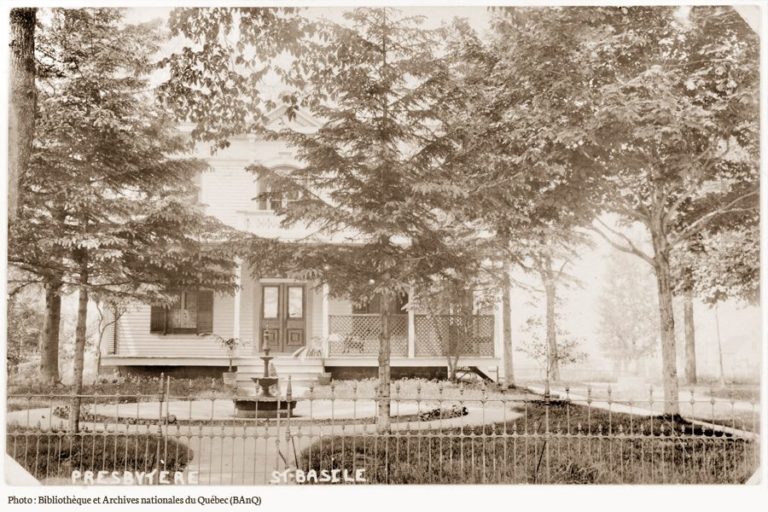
point(270, 201)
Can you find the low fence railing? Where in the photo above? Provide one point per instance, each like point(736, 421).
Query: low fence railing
point(439, 433)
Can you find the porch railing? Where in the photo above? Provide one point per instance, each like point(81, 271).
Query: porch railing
point(441, 335)
point(358, 334)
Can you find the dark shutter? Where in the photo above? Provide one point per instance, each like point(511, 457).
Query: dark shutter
point(204, 312)
point(262, 187)
point(115, 327)
point(157, 319)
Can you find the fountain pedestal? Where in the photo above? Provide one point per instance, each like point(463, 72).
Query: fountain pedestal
point(264, 404)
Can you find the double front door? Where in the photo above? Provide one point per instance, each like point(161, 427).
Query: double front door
point(283, 317)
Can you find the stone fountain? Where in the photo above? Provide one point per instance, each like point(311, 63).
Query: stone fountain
point(265, 404)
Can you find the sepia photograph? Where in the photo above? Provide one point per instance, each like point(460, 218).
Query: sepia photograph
point(369, 245)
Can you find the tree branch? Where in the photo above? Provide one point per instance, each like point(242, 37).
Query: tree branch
point(703, 221)
point(629, 248)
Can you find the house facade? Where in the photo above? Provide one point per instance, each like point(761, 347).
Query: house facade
point(304, 325)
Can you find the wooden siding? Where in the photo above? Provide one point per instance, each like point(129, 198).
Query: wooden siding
point(339, 306)
point(247, 312)
point(135, 340)
point(315, 296)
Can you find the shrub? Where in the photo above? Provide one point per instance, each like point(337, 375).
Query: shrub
point(55, 454)
point(550, 443)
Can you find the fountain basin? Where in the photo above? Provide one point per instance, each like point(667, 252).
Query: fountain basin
point(263, 407)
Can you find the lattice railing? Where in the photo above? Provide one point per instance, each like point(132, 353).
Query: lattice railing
point(440, 335)
point(358, 334)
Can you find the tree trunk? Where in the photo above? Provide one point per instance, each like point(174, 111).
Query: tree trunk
point(666, 317)
point(553, 358)
point(719, 348)
point(78, 362)
point(49, 340)
point(506, 315)
point(690, 337)
point(21, 115)
point(382, 418)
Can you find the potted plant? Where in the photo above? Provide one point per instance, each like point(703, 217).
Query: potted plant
point(230, 345)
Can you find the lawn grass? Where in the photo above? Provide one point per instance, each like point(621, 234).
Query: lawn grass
point(745, 421)
point(56, 454)
point(555, 443)
point(737, 393)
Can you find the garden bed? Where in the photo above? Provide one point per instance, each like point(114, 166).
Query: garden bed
point(56, 454)
point(549, 443)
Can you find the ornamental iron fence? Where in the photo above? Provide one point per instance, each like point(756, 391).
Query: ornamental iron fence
point(438, 434)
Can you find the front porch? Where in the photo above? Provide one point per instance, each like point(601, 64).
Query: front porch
point(298, 321)
point(302, 318)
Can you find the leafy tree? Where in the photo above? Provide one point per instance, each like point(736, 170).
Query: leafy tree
point(530, 202)
point(109, 312)
point(21, 125)
point(728, 265)
point(653, 110)
point(111, 208)
point(376, 84)
point(549, 258)
point(538, 348)
point(628, 313)
point(478, 174)
point(719, 263)
point(24, 320)
point(215, 82)
point(680, 130)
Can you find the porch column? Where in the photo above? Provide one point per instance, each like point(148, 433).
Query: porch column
point(498, 327)
point(236, 305)
point(325, 320)
point(411, 325)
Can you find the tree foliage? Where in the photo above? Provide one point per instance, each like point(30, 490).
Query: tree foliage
point(215, 81)
point(376, 82)
point(109, 177)
point(655, 108)
point(110, 205)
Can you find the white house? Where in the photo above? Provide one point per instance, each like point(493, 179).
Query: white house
point(285, 315)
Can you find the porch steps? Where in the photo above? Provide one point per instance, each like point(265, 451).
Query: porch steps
point(302, 372)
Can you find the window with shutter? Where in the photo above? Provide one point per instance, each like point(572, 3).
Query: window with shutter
point(182, 316)
point(157, 321)
point(262, 187)
point(192, 312)
point(204, 312)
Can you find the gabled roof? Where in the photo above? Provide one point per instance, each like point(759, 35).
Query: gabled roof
point(302, 121)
